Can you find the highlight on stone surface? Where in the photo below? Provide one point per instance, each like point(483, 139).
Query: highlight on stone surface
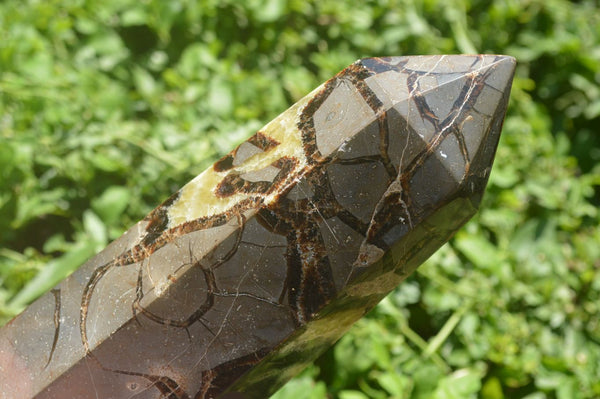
point(263, 261)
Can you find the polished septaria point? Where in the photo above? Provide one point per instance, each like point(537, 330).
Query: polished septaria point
point(263, 261)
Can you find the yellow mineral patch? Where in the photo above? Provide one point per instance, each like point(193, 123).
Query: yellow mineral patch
point(198, 199)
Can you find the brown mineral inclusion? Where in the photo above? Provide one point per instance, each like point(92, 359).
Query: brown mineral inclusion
point(263, 261)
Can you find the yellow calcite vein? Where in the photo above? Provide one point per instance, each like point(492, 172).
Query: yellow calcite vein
point(197, 198)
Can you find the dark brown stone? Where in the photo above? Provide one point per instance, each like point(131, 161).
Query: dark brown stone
point(262, 262)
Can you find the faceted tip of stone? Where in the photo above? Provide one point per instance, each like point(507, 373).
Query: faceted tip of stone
point(456, 104)
point(494, 99)
point(480, 129)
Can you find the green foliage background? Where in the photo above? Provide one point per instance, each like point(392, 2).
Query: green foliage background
point(107, 107)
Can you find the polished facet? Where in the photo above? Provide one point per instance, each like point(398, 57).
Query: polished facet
point(263, 261)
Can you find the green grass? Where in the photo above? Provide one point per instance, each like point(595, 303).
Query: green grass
point(106, 108)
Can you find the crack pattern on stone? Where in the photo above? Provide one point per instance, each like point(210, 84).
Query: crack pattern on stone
point(265, 259)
